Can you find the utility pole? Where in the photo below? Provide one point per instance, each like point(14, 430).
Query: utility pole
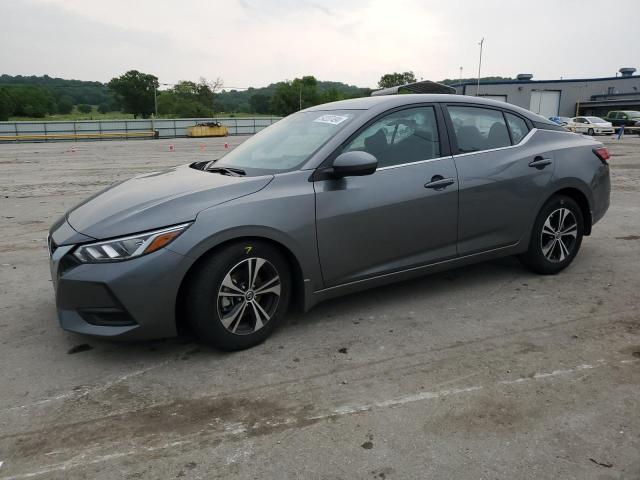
point(155, 100)
point(300, 104)
point(460, 80)
point(479, 67)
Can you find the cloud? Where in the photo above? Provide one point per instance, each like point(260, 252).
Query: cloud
point(256, 42)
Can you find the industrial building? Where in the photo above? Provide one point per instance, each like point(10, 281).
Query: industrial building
point(564, 97)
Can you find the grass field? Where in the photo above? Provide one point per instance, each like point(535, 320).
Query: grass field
point(95, 115)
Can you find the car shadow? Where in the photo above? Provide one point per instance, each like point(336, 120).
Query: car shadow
point(434, 285)
point(186, 345)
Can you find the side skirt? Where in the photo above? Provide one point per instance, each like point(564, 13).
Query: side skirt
point(312, 298)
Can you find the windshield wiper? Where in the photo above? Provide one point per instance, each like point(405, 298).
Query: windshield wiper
point(234, 172)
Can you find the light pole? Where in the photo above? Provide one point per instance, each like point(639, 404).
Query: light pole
point(460, 80)
point(155, 101)
point(155, 97)
point(479, 67)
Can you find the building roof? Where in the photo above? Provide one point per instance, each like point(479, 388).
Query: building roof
point(563, 80)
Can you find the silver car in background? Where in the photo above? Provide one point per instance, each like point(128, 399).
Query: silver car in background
point(330, 200)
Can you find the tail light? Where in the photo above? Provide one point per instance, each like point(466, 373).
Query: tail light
point(603, 154)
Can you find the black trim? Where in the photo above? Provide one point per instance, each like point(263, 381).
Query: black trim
point(506, 124)
point(323, 171)
point(549, 126)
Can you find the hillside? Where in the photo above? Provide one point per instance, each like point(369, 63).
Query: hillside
point(80, 91)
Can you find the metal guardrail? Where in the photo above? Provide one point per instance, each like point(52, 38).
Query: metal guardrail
point(41, 131)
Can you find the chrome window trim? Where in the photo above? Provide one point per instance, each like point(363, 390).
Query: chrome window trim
point(388, 167)
point(526, 138)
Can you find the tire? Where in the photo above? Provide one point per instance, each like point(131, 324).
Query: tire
point(221, 308)
point(546, 254)
point(590, 132)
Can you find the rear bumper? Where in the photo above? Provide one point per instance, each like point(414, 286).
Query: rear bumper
point(133, 299)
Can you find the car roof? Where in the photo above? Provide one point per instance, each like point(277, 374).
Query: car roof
point(391, 101)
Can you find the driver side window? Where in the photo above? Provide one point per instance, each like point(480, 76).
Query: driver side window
point(401, 137)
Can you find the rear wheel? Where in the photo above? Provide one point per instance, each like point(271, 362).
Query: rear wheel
point(590, 132)
point(238, 295)
point(556, 236)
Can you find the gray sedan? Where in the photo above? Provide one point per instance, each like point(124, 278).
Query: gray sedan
point(330, 200)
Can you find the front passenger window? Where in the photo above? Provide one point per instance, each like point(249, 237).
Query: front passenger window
point(479, 128)
point(404, 136)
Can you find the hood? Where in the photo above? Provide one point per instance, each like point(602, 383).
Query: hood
point(157, 199)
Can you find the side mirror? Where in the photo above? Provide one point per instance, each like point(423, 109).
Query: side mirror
point(352, 164)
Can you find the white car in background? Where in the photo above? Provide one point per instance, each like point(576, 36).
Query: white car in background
point(590, 125)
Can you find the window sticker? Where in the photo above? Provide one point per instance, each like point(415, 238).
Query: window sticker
point(331, 119)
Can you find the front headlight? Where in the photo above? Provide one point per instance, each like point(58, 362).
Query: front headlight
point(124, 248)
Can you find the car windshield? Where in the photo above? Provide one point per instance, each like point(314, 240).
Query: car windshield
point(596, 120)
point(288, 143)
point(633, 114)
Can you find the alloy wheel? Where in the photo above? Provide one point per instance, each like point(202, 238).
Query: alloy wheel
point(248, 296)
point(559, 234)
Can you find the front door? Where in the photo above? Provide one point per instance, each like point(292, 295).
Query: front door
point(402, 216)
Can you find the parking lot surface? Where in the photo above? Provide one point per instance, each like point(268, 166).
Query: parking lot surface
point(484, 372)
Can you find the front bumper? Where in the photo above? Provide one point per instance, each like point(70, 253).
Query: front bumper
point(132, 299)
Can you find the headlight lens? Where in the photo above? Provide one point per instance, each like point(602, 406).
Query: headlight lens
point(124, 248)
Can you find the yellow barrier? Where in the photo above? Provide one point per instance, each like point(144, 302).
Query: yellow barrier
point(207, 131)
point(77, 136)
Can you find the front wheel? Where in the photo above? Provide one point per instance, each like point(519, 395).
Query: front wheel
point(556, 236)
point(590, 132)
point(238, 294)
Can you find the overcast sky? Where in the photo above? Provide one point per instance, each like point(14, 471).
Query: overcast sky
point(257, 42)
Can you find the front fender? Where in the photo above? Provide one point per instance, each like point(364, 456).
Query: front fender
point(283, 212)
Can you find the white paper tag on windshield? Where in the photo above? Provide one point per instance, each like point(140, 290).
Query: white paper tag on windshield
point(331, 119)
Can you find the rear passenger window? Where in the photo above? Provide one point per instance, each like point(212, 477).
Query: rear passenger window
point(401, 137)
point(517, 126)
point(479, 129)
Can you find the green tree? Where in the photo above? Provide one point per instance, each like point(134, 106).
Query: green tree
point(65, 105)
point(332, 95)
point(104, 107)
point(396, 79)
point(30, 101)
point(260, 103)
point(188, 99)
point(6, 104)
point(285, 99)
point(297, 95)
point(84, 108)
point(136, 92)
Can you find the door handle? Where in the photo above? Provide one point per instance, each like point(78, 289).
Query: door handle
point(540, 162)
point(438, 182)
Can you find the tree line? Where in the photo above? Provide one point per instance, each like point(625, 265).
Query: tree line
point(138, 93)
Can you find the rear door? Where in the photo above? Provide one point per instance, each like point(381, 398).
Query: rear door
point(501, 175)
point(402, 216)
